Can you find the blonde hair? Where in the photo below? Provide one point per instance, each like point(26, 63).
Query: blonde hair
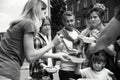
point(32, 10)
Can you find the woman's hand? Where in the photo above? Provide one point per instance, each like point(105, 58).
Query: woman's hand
point(63, 56)
point(95, 33)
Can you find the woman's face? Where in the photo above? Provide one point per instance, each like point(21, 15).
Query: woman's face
point(94, 19)
point(42, 10)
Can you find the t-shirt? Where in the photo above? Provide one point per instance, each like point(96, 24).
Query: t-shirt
point(11, 49)
point(90, 74)
point(69, 36)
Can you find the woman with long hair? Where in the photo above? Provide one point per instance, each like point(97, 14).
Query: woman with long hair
point(18, 42)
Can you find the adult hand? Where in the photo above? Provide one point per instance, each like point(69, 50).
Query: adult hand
point(64, 56)
point(57, 40)
point(95, 33)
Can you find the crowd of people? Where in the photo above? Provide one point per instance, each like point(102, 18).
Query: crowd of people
point(80, 53)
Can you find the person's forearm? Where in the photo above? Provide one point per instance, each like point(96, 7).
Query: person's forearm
point(77, 70)
point(36, 54)
point(51, 55)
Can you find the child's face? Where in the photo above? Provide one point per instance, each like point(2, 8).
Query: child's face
point(46, 29)
point(97, 66)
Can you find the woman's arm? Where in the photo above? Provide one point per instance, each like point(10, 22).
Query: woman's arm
point(60, 55)
point(33, 54)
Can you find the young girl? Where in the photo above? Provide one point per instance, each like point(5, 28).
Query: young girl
point(39, 69)
point(18, 42)
point(97, 68)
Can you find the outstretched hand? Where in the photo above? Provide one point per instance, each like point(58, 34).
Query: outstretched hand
point(63, 56)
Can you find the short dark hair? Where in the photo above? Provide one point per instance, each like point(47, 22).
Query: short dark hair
point(67, 13)
point(99, 56)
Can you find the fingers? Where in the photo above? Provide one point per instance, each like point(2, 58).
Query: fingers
point(57, 40)
point(66, 58)
point(95, 33)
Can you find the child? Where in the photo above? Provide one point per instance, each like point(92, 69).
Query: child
point(40, 70)
point(97, 68)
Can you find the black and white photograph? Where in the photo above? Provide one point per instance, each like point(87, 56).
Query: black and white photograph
point(59, 39)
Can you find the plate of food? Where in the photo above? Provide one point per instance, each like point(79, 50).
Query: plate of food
point(51, 69)
point(75, 59)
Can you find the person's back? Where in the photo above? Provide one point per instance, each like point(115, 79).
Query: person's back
point(17, 43)
point(11, 49)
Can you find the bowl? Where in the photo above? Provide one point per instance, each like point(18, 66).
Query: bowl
point(51, 69)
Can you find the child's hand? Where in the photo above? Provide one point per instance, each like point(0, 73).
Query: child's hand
point(57, 40)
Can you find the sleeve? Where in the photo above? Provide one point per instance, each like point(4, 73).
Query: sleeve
point(28, 26)
point(37, 43)
point(84, 72)
point(109, 72)
point(110, 75)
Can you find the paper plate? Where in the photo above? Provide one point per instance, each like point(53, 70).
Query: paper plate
point(76, 59)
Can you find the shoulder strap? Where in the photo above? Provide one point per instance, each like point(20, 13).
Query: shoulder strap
point(39, 41)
